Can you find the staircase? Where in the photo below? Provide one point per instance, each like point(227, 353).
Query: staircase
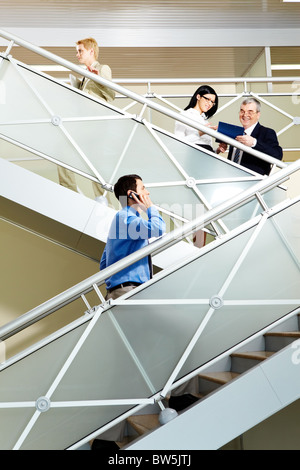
point(212, 382)
point(243, 361)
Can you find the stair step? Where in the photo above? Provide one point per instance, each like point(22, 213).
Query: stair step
point(292, 334)
point(257, 355)
point(243, 361)
point(126, 440)
point(210, 381)
point(219, 377)
point(279, 339)
point(143, 423)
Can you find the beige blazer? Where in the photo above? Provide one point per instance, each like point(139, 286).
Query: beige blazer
point(93, 88)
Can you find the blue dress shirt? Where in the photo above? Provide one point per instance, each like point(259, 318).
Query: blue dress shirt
point(128, 233)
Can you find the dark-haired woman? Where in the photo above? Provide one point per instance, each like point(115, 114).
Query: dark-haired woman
point(202, 106)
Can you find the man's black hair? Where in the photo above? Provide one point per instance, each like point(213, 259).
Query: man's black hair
point(125, 183)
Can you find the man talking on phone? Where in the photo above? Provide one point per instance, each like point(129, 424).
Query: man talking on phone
point(130, 232)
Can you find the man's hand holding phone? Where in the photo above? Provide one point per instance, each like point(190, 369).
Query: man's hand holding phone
point(143, 200)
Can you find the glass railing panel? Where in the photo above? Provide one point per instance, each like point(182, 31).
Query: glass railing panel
point(42, 95)
point(41, 369)
point(48, 140)
point(118, 147)
point(164, 332)
point(36, 107)
point(263, 288)
point(216, 194)
point(287, 226)
point(147, 339)
point(18, 101)
point(67, 102)
point(61, 427)
point(281, 282)
point(199, 164)
point(220, 181)
point(103, 369)
point(13, 422)
point(97, 140)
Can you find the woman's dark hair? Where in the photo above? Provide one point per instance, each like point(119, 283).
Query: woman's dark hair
point(204, 90)
point(125, 183)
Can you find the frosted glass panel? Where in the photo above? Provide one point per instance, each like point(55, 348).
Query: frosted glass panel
point(18, 96)
point(36, 97)
point(48, 139)
point(287, 224)
point(253, 208)
point(199, 278)
point(268, 277)
point(66, 102)
point(118, 147)
point(252, 296)
point(199, 164)
point(69, 127)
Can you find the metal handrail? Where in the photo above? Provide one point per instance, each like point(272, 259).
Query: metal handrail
point(153, 248)
point(210, 80)
point(136, 97)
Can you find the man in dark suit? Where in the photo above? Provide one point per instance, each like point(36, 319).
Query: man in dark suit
point(257, 137)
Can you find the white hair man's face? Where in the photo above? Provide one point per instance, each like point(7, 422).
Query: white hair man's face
point(248, 115)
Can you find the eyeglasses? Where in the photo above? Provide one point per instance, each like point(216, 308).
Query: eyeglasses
point(212, 103)
point(250, 113)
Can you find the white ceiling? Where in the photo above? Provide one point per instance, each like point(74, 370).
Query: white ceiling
point(159, 39)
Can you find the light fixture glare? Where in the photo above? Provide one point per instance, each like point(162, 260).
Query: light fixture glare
point(285, 67)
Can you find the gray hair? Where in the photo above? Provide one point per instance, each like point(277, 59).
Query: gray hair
point(253, 100)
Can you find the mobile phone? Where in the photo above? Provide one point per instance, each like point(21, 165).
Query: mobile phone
point(136, 194)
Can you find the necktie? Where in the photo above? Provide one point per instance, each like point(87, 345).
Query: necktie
point(238, 153)
point(150, 266)
point(81, 84)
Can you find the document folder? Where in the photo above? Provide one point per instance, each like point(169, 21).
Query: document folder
point(230, 130)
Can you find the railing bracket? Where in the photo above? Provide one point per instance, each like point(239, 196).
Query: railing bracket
point(42, 404)
point(108, 187)
point(216, 302)
point(91, 310)
point(56, 120)
point(191, 182)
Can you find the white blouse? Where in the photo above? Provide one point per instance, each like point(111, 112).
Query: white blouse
point(190, 134)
